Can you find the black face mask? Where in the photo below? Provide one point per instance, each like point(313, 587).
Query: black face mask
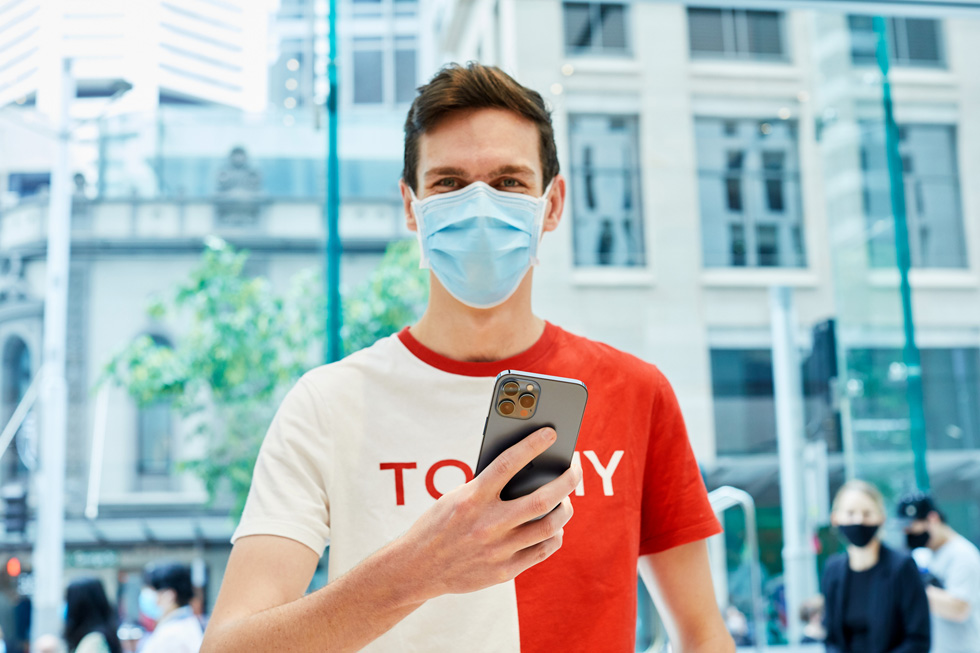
point(916, 540)
point(859, 534)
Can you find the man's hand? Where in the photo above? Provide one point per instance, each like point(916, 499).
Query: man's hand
point(471, 539)
point(947, 606)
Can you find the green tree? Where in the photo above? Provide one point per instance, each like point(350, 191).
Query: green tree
point(245, 345)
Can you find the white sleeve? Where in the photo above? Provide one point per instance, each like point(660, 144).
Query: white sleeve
point(963, 578)
point(288, 496)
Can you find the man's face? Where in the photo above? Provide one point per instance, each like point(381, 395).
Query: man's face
point(494, 146)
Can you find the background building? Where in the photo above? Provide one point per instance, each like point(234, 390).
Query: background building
point(714, 151)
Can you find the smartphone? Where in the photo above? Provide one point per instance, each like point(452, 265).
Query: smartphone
point(522, 403)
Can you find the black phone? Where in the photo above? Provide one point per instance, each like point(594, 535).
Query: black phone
point(522, 403)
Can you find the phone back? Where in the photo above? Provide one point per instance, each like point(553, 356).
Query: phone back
point(538, 401)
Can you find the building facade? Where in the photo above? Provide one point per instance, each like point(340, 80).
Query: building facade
point(714, 151)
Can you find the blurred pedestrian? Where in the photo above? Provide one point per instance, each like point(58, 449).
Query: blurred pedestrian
point(811, 614)
point(48, 644)
point(953, 575)
point(166, 599)
point(874, 599)
point(90, 623)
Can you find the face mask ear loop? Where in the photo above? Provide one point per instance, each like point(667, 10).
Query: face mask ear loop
point(416, 207)
point(538, 233)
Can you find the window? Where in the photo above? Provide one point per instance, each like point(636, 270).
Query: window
point(736, 34)
point(932, 196)
point(384, 69)
point(950, 384)
point(911, 41)
point(751, 210)
point(16, 380)
point(368, 71)
point(595, 28)
point(744, 407)
point(607, 212)
point(155, 440)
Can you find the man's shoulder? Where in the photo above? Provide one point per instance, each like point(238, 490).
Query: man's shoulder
point(606, 357)
point(378, 358)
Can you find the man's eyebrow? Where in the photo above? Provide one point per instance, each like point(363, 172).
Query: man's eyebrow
point(510, 169)
point(446, 171)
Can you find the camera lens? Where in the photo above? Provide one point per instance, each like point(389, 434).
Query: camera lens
point(526, 400)
point(511, 388)
point(506, 407)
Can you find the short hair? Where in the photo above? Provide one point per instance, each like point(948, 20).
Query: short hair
point(865, 488)
point(171, 576)
point(475, 86)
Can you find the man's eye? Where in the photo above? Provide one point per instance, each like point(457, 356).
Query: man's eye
point(510, 183)
point(448, 181)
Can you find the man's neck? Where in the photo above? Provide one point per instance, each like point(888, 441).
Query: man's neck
point(468, 334)
point(942, 536)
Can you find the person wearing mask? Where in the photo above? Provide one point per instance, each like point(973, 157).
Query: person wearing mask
point(90, 623)
point(953, 575)
point(166, 599)
point(875, 601)
point(375, 453)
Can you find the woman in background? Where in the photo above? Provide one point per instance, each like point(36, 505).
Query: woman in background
point(875, 601)
point(90, 624)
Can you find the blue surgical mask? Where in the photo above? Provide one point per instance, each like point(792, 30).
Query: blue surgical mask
point(148, 604)
point(480, 242)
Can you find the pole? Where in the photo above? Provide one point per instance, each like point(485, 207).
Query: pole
point(333, 348)
point(910, 352)
point(799, 569)
point(49, 550)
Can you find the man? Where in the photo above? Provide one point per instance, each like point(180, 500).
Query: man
point(371, 453)
point(166, 599)
point(954, 594)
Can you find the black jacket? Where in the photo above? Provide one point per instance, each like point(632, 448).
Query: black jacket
point(899, 613)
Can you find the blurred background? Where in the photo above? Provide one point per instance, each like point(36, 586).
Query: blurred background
point(769, 200)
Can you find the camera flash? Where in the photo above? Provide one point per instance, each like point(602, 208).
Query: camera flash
point(530, 388)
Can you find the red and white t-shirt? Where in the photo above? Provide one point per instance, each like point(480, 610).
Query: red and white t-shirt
point(361, 448)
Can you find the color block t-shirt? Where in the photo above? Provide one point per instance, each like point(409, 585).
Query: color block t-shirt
point(361, 448)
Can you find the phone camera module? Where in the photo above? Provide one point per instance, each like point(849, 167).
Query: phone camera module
point(526, 400)
point(506, 407)
point(511, 388)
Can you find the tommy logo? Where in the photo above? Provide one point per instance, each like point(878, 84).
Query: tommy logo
point(604, 471)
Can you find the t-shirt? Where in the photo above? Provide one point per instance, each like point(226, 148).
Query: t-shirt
point(857, 613)
point(359, 449)
point(179, 632)
point(957, 566)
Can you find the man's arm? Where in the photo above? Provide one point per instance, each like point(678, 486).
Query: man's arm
point(468, 540)
point(945, 605)
point(679, 580)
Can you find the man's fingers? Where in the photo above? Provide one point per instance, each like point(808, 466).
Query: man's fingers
point(549, 495)
point(534, 532)
point(540, 552)
point(516, 458)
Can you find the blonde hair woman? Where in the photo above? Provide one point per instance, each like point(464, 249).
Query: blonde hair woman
point(875, 599)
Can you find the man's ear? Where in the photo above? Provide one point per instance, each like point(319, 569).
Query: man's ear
point(556, 204)
point(407, 205)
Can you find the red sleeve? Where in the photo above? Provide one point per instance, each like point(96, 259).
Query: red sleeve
point(675, 502)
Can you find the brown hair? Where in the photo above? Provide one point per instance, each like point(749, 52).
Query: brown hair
point(865, 488)
point(475, 86)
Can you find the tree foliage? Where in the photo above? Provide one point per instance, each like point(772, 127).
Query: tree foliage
point(243, 345)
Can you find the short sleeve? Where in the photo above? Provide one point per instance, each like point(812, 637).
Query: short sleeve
point(962, 577)
point(288, 495)
point(676, 509)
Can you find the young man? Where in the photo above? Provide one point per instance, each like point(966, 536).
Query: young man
point(954, 596)
point(166, 598)
point(372, 454)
